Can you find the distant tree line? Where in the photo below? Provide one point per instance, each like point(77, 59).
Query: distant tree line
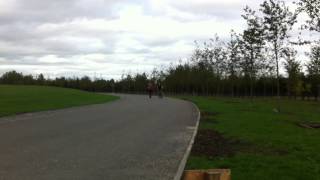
point(84, 83)
point(246, 65)
point(127, 84)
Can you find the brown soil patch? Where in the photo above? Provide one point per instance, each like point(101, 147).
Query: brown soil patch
point(206, 114)
point(309, 125)
point(232, 102)
point(208, 117)
point(213, 144)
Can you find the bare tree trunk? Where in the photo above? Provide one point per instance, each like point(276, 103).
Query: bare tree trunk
point(264, 89)
point(251, 75)
point(318, 94)
point(278, 78)
point(251, 86)
point(232, 87)
point(207, 88)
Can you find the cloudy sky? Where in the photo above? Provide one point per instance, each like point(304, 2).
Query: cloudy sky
point(105, 38)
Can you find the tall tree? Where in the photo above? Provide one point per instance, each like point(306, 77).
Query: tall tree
point(278, 21)
point(218, 55)
point(253, 43)
point(293, 69)
point(234, 58)
point(313, 69)
point(41, 79)
point(205, 66)
point(201, 60)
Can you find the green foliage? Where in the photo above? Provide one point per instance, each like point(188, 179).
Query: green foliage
point(17, 99)
point(255, 122)
point(235, 55)
point(14, 77)
point(137, 83)
point(314, 65)
point(313, 68)
point(84, 83)
point(278, 21)
point(312, 8)
point(253, 42)
point(293, 68)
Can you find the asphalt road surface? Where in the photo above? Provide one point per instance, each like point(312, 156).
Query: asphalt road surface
point(131, 138)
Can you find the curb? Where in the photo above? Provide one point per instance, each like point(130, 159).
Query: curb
point(183, 162)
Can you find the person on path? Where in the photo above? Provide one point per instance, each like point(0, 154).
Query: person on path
point(150, 89)
point(159, 86)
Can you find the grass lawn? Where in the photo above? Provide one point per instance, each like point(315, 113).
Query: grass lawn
point(15, 99)
point(254, 141)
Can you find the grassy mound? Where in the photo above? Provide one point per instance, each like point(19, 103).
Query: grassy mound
point(15, 99)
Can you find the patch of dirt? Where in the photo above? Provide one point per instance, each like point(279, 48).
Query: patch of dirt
point(206, 114)
point(209, 121)
point(208, 117)
point(212, 144)
point(309, 125)
point(232, 102)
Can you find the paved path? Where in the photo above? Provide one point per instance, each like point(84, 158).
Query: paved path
point(132, 138)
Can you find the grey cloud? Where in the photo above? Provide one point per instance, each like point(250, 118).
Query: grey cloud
point(36, 61)
point(57, 10)
point(200, 10)
point(28, 41)
point(219, 11)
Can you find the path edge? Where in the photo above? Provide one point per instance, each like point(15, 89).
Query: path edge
point(183, 161)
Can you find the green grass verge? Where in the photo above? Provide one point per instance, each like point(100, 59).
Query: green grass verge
point(16, 99)
point(256, 122)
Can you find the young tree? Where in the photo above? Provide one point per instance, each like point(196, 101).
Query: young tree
point(234, 58)
point(218, 55)
point(205, 66)
point(313, 69)
point(253, 43)
point(293, 69)
point(141, 82)
point(40, 79)
point(202, 68)
point(278, 21)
